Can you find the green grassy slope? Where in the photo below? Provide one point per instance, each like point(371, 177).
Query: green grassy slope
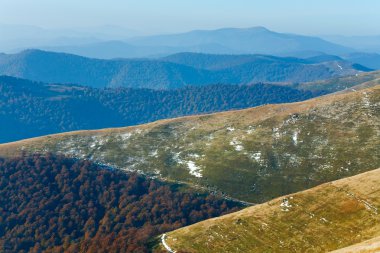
point(254, 155)
point(325, 218)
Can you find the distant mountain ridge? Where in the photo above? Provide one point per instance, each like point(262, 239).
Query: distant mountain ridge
point(370, 60)
point(170, 72)
point(254, 40)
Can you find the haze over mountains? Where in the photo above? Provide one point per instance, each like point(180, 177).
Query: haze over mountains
point(115, 42)
point(256, 40)
point(108, 140)
point(14, 38)
point(360, 43)
point(110, 42)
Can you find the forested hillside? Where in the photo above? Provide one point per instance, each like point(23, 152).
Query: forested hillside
point(29, 109)
point(55, 204)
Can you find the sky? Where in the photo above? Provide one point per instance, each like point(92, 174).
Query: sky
point(310, 17)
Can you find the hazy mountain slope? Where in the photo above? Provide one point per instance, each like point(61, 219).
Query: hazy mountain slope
point(64, 68)
point(217, 62)
point(370, 44)
point(222, 41)
point(369, 60)
point(244, 41)
point(29, 109)
point(328, 217)
point(162, 74)
point(223, 61)
point(274, 69)
point(100, 50)
point(253, 155)
point(17, 37)
point(121, 49)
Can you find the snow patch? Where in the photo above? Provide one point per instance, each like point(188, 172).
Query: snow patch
point(250, 130)
point(295, 137)
point(236, 144)
point(276, 133)
point(285, 205)
point(154, 153)
point(125, 136)
point(193, 156)
point(194, 170)
point(366, 102)
point(97, 141)
point(256, 156)
point(177, 159)
point(230, 129)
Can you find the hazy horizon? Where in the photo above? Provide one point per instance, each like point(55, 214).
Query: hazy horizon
point(348, 18)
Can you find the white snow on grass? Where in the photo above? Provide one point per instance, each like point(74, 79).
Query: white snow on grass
point(250, 130)
point(285, 205)
point(125, 136)
point(154, 153)
point(177, 159)
point(366, 101)
point(230, 129)
point(276, 133)
point(194, 170)
point(98, 141)
point(196, 156)
point(295, 137)
point(256, 156)
point(236, 144)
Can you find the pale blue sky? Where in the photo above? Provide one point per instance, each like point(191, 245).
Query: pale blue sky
point(347, 17)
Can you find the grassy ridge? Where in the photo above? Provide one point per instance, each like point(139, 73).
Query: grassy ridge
point(370, 246)
point(325, 218)
point(254, 155)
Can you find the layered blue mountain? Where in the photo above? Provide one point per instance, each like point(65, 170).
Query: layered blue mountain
point(370, 60)
point(171, 72)
point(369, 44)
point(255, 40)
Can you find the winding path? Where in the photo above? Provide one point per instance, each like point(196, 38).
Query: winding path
point(165, 244)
